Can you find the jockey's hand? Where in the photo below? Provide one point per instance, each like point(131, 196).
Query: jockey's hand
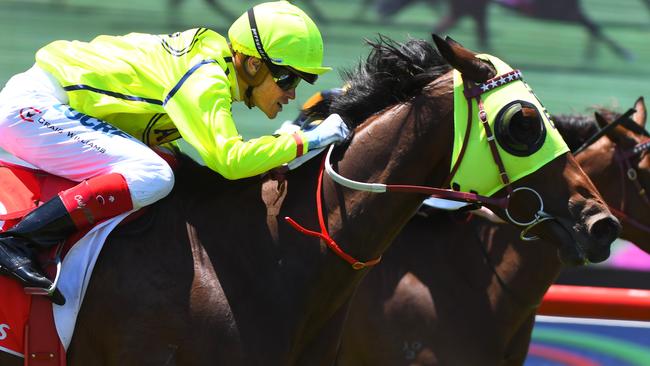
point(331, 130)
point(287, 127)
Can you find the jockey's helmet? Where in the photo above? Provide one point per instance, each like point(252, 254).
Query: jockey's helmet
point(283, 36)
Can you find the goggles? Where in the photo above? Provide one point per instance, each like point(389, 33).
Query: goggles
point(286, 80)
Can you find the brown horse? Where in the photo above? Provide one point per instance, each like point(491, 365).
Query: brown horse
point(632, 180)
point(209, 277)
point(460, 291)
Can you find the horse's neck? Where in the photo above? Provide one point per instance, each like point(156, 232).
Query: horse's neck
point(523, 271)
point(316, 284)
point(400, 147)
point(395, 149)
point(299, 287)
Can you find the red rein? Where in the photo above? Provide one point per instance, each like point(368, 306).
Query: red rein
point(324, 235)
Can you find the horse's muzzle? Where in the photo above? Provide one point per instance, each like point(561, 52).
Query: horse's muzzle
point(589, 239)
point(603, 229)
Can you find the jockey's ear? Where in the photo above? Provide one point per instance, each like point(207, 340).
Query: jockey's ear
point(250, 69)
point(464, 60)
point(253, 65)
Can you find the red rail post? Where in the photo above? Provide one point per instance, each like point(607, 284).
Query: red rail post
point(596, 302)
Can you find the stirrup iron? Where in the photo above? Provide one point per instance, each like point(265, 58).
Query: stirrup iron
point(50, 290)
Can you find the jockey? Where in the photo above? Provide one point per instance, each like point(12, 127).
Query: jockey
point(90, 111)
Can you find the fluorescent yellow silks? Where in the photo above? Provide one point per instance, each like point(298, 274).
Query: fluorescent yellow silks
point(158, 88)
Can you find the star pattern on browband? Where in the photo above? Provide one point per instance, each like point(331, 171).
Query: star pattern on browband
point(641, 147)
point(493, 83)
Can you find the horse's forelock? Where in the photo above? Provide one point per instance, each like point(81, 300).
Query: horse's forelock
point(393, 72)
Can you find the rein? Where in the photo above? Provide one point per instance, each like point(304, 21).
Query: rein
point(432, 191)
point(604, 130)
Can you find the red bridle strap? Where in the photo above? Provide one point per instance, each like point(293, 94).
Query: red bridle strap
point(324, 235)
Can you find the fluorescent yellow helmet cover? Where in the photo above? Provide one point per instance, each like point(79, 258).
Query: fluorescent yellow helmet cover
point(288, 35)
point(477, 171)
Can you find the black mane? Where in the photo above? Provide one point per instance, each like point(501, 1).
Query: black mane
point(393, 72)
point(575, 128)
point(192, 177)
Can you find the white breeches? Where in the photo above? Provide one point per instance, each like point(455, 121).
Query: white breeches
point(37, 126)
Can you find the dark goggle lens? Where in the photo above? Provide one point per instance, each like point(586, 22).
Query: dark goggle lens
point(286, 77)
point(287, 81)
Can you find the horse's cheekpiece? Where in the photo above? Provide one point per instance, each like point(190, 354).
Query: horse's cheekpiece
point(525, 142)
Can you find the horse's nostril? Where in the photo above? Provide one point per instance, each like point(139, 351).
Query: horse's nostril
point(606, 230)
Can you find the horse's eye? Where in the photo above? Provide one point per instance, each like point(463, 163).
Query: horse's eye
point(520, 128)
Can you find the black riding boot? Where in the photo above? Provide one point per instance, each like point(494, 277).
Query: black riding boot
point(46, 226)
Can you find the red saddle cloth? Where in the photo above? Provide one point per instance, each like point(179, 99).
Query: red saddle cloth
point(26, 322)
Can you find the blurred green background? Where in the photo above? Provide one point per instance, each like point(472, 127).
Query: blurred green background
point(551, 54)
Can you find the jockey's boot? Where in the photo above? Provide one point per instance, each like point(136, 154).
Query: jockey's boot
point(77, 208)
point(46, 226)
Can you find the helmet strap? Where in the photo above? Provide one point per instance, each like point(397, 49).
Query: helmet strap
point(251, 80)
point(247, 97)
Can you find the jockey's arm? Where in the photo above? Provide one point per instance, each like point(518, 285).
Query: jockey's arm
point(180, 146)
point(201, 110)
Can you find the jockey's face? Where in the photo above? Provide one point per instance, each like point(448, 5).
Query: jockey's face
point(270, 98)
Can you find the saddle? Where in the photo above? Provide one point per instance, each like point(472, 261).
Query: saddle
point(27, 327)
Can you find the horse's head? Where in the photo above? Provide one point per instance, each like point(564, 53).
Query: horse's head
point(514, 149)
point(619, 164)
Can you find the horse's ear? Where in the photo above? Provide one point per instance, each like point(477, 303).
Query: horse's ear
point(452, 41)
point(613, 133)
point(641, 114)
point(601, 120)
point(464, 60)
